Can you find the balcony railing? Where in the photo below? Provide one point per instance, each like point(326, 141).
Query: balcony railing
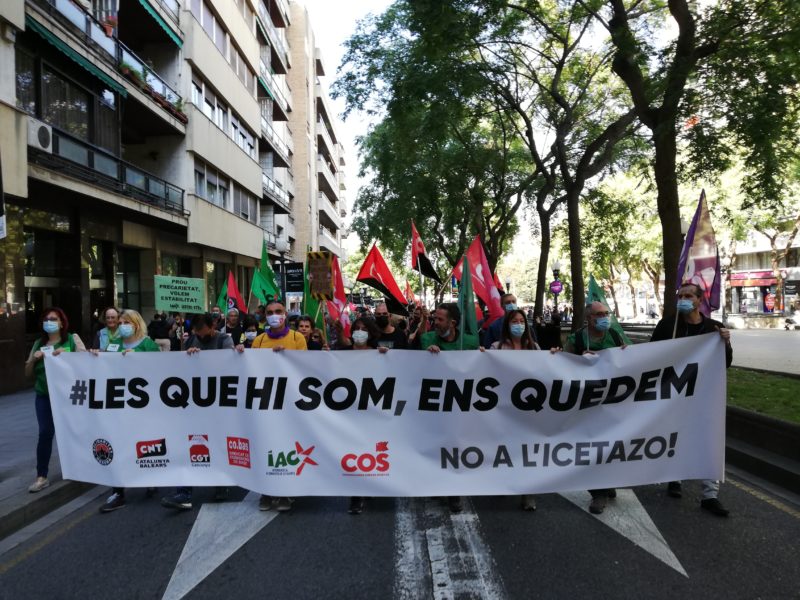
point(322, 130)
point(172, 8)
point(277, 39)
point(282, 94)
point(280, 146)
point(327, 175)
point(275, 192)
point(325, 232)
point(98, 167)
point(114, 51)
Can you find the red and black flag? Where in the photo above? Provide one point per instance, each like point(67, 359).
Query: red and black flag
point(375, 273)
point(419, 259)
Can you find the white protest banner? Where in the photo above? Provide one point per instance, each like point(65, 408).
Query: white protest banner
point(180, 294)
point(403, 423)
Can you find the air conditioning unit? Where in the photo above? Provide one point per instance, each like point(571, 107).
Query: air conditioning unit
point(40, 135)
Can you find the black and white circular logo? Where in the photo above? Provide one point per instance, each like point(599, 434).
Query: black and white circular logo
point(103, 452)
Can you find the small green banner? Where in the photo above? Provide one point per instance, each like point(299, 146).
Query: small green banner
point(180, 294)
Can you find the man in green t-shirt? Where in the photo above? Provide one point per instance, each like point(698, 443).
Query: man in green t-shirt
point(446, 336)
point(597, 335)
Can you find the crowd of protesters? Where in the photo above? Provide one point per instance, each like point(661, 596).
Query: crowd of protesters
point(270, 327)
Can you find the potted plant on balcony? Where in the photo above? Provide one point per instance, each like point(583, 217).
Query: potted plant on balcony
point(110, 24)
point(130, 72)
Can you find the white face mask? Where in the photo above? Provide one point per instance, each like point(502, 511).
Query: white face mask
point(360, 337)
point(250, 335)
point(275, 321)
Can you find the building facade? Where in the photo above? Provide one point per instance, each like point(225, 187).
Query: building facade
point(143, 138)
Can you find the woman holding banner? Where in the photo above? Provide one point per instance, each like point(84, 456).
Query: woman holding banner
point(133, 337)
point(516, 335)
point(54, 340)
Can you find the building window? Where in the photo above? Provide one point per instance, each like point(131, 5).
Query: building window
point(176, 266)
point(208, 102)
point(65, 105)
point(128, 292)
point(210, 184)
point(26, 82)
point(245, 205)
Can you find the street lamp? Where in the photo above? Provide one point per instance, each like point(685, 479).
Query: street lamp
point(508, 284)
point(282, 246)
point(684, 229)
point(364, 296)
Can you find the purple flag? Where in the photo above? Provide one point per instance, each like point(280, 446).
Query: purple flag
point(699, 262)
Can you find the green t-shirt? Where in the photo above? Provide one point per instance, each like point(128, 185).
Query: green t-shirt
point(39, 375)
point(431, 338)
point(607, 341)
point(146, 345)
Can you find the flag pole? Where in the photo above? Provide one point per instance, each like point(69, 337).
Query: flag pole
point(422, 285)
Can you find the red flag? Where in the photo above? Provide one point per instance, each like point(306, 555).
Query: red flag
point(235, 299)
point(375, 273)
point(410, 294)
point(419, 258)
point(482, 280)
point(338, 307)
point(497, 283)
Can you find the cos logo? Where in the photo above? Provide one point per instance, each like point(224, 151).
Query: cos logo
point(376, 463)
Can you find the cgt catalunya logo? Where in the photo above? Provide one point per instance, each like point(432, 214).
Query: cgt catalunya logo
point(368, 464)
point(199, 453)
point(103, 451)
point(148, 453)
point(239, 452)
point(282, 463)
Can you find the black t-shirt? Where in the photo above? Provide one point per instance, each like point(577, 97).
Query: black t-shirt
point(397, 339)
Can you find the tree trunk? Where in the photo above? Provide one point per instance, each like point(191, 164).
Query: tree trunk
point(613, 290)
point(575, 258)
point(668, 211)
point(544, 255)
point(632, 289)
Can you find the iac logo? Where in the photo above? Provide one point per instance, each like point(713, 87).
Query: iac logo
point(368, 464)
point(199, 454)
point(147, 454)
point(290, 463)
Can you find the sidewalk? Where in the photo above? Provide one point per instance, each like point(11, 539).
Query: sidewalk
point(19, 432)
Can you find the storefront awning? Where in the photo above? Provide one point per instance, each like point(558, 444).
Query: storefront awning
point(162, 23)
point(75, 56)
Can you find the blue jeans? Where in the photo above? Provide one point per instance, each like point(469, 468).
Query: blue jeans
point(44, 448)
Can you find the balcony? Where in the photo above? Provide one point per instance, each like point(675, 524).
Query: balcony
point(276, 195)
point(280, 12)
point(328, 241)
point(86, 162)
point(279, 94)
point(114, 53)
point(279, 147)
point(280, 59)
point(328, 214)
point(325, 141)
point(290, 230)
point(327, 180)
point(324, 108)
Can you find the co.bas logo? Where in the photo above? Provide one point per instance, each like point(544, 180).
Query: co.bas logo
point(239, 452)
point(102, 451)
point(368, 464)
point(199, 454)
point(149, 453)
point(290, 463)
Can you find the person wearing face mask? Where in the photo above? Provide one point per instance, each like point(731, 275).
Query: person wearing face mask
point(233, 326)
point(495, 329)
point(216, 315)
point(54, 340)
point(446, 337)
point(108, 335)
point(516, 335)
point(133, 338)
point(204, 337)
point(250, 332)
point(390, 336)
point(689, 321)
point(277, 337)
point(597, 335)
point(364, 335)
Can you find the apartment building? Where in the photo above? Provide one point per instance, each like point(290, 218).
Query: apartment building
point(147, 137)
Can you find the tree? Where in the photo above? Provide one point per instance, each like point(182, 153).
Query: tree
point(737, 62)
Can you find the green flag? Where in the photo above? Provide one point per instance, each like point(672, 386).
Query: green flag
point(222, 299)
point(311, 305)
point(264, 286)
point(466, 303)
point(595, 294)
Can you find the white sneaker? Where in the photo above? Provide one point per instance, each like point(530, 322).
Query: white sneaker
point(39, 485)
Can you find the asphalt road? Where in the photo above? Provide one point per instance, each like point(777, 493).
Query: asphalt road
point(646, 545)
point(771, 349)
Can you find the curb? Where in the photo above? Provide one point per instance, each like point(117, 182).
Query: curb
point(17, 512)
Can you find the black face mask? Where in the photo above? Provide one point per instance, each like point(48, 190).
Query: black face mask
point(382, 321)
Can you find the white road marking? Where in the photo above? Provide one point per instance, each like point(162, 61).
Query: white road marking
point(627, 516)
point(219, 531)
point(461, 563)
